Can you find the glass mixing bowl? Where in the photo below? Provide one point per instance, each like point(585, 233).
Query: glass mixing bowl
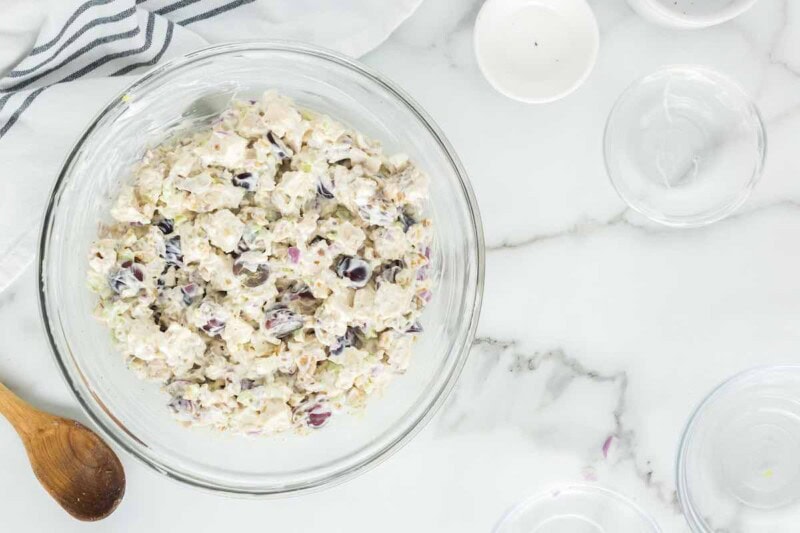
point(684, 146)
point(738, 467)
point(188, 92)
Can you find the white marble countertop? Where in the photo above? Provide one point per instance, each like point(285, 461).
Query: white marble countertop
point(596, 324)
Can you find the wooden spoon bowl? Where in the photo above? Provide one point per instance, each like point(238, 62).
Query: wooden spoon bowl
point(76, 467)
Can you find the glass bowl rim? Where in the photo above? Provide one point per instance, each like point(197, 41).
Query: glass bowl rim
point(519, 508)
point(695, 520)
point(118, 433)
point(721, 212)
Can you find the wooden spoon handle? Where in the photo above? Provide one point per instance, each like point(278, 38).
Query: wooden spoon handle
point(22, 416)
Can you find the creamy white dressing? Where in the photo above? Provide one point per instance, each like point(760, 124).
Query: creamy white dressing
point(269, 271)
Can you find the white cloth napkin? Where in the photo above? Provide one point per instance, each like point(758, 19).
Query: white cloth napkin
point(62, 60)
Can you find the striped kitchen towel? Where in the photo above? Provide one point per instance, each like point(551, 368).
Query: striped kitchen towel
point(62, 60)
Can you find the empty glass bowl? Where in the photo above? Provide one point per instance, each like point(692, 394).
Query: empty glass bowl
point(739, 460)
point(577, 509)
point(191, 91)
point(684, 146)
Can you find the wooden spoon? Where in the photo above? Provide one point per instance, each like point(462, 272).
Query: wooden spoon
point(77, 468)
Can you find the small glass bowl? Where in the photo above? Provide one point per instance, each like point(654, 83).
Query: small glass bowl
point(577, 509)
point(738, 466)
point(191, 91)
point(684, 146)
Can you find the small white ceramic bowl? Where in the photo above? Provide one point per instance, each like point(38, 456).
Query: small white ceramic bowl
point(690, 14)
point(536, 51)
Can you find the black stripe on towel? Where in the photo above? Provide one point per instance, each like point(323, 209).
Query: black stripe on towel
point(5, 98)
point(148, 40)
point(173, 7)
point(155, 59)
point(25, 103)
point(91, 3)
point(214, 12)
point(72, 57)
point(92, 24)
